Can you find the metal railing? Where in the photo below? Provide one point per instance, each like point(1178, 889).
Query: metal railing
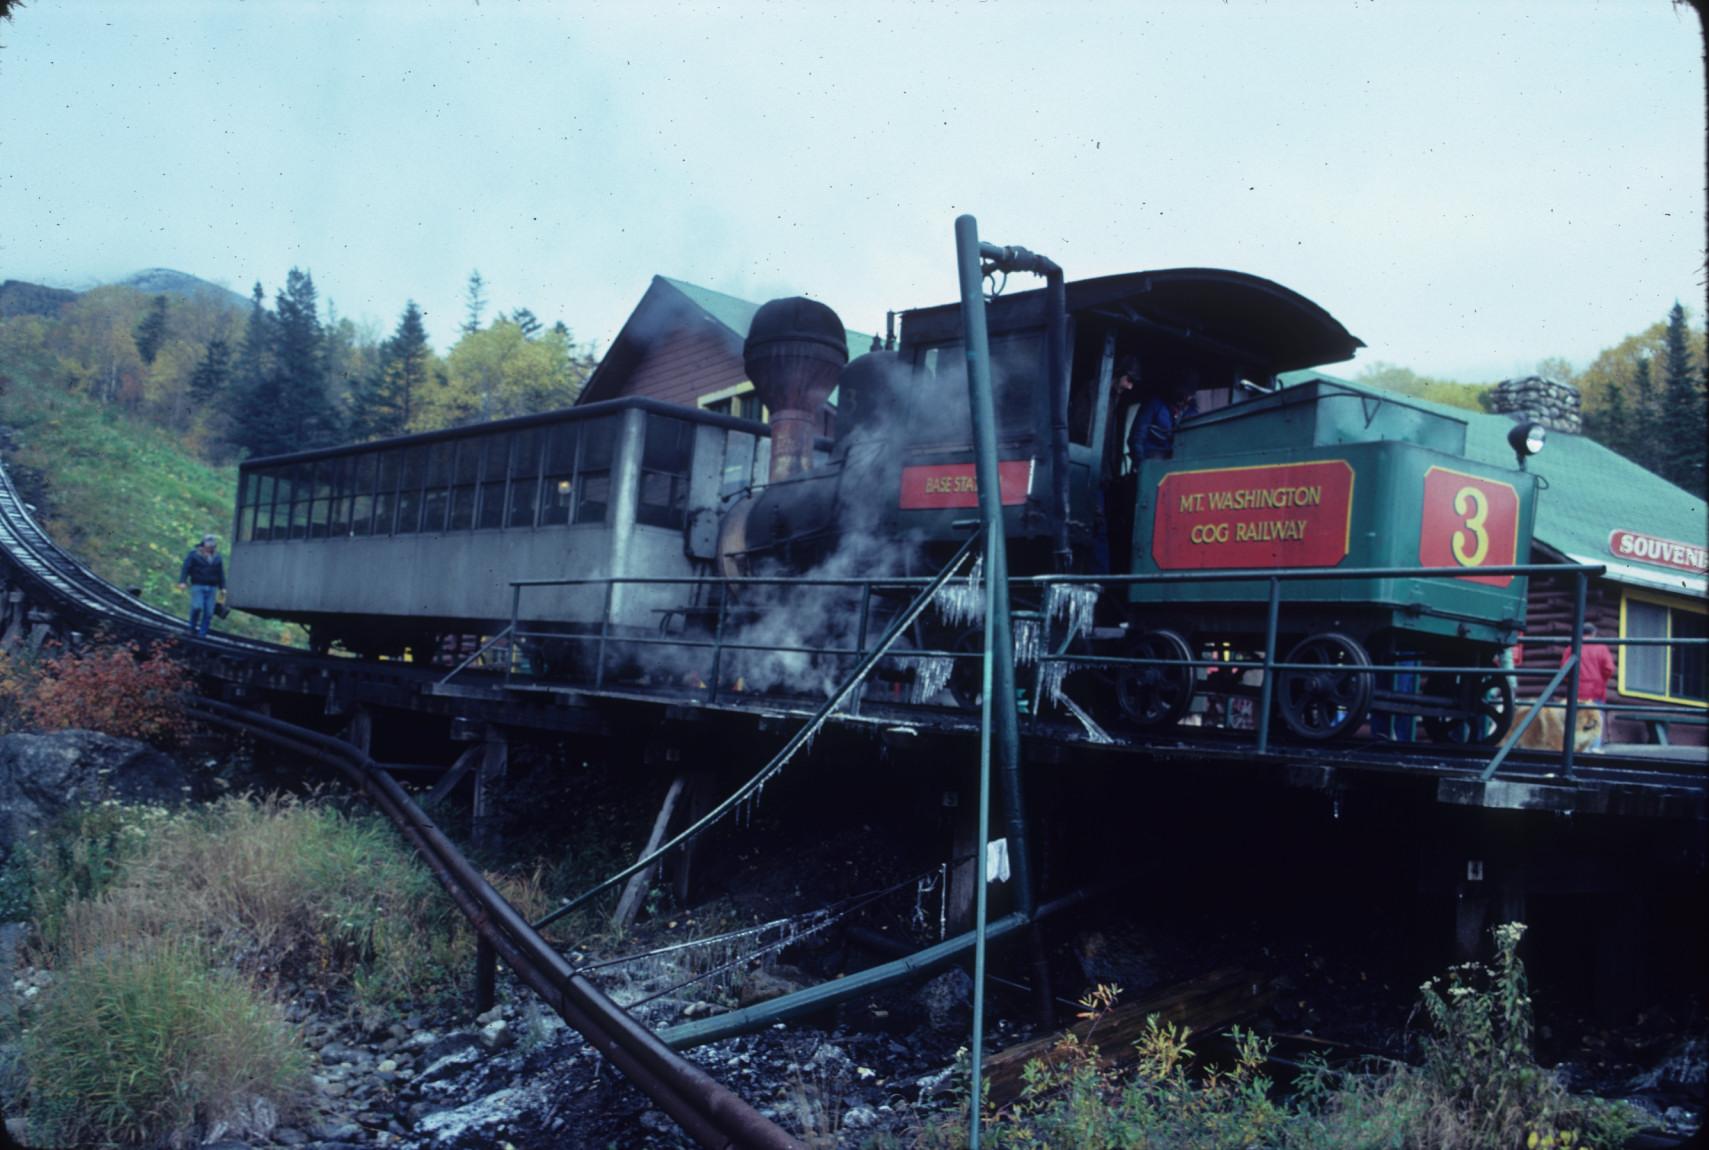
point(720, 617)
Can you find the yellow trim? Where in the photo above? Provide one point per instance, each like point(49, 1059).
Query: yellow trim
point(740, 389)
point(1671, 604)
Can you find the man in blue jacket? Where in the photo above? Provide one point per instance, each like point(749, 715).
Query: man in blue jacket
point(204, 572)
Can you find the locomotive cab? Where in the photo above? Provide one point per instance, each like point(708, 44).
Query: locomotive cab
point(1220, 336)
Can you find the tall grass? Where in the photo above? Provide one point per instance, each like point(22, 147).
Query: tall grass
point(167, 932)
point(154, 1044)
point(126, 498)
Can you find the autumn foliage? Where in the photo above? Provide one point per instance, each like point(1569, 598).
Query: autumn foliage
point(119, 689)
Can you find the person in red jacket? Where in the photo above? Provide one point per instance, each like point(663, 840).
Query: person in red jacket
point(1595, 671)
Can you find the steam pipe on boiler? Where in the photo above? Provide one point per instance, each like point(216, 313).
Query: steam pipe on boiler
point(1017, 259)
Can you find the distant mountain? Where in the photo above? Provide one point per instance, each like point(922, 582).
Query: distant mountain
point(165, 281)
point(20, 298)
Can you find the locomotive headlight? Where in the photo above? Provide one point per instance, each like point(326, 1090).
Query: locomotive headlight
point(1527, 439)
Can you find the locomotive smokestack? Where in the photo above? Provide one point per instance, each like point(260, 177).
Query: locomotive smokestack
point(794, 352)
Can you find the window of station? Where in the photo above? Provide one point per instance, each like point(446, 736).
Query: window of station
point(436, 496)
point(385, 493)
point(665, 460)
point(465, 475)
point(525, 478)
point(494, 463)
point(320, 509)
point(593, 469)
point(739, 401)
point(302, 495)
point(414, 471)
point(338, 520)
point(362, 494)
point(1672, 674)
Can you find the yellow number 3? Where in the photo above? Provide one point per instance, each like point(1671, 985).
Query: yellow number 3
point(1474, 505)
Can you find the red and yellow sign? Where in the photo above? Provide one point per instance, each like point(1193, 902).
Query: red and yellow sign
point(1643, 548)
point(1286, 515)
point(926, 488)
point(1469, 521)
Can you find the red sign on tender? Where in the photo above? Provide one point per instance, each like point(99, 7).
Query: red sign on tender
point(930, 487)
point(1287, 515)
point(1663, 552)
point(1469, 521)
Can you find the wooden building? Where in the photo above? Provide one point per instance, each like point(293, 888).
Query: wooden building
point(683, 344)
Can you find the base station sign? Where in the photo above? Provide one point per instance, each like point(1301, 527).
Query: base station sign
point(1284, 515)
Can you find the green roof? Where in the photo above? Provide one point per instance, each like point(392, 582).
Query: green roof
point(1591, 491)
point(737, 314)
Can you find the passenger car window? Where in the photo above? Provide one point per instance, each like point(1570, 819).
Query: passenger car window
point(665, 459)
point(494, 464)
point(593, 469)
point(525, 478)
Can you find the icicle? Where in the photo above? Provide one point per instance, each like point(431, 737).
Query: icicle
point(1051, 672)
point(1026, 641)
point(931, 675)
point(960, 603)
point(1077, 601)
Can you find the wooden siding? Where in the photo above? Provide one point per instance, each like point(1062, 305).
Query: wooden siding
point(1549, 614)
point(683, 366)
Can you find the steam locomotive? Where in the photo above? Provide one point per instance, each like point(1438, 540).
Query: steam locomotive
point(614, 515)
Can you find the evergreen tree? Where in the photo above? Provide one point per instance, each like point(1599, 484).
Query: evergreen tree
point(303, 415)
point(151, 332)
point(1613, 426)
point(390, 397)
point(252, 380)
point(1680, 434)
point(208, 382)
point(476, 304)
point(1646, 419)
point(527, 321)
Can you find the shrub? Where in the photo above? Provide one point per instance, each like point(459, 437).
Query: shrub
point(1477, 1087)
point(284, 888)
point(120, 689)
point(157, 1045)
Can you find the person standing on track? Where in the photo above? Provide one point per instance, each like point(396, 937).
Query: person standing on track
point(204, 572)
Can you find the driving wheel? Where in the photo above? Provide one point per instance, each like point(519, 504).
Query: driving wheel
point(1332, 694)
point(1158, 694)
point(1485, 703)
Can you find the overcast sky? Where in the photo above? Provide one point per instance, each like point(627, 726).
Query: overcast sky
point(1469, 187)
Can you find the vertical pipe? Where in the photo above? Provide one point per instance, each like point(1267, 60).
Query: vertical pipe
point(1571, 728)
point(1267, 692)
point(1056, 346)
point(718, 641)
point(511, 647)
point(860, 639)
point(604, 629)
point(998, 678)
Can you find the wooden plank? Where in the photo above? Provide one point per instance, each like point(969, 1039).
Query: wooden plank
point(635, 892)
point(1209, 1004)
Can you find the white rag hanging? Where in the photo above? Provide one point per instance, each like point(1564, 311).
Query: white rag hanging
point(997, 860)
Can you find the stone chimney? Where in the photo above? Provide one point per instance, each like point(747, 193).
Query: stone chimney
point(1554, 405)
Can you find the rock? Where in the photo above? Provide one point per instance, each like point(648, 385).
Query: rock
point(41, 776)
point(449, 1125)
point(658, 1122)
point(946, 998)
point(450, 1064)
point(764, 985)
point(334, 1131)
point(496, 1034)
point(289, 1136)
point(859, 1118)
point(450, 1044)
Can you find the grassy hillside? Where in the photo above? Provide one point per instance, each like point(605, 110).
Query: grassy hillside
point(121, 496)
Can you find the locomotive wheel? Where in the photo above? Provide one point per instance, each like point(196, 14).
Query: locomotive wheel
point(1158, 695)
point(1486, 706)
point(1332, 698)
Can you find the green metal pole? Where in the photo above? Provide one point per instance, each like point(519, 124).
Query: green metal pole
point(998, 678)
